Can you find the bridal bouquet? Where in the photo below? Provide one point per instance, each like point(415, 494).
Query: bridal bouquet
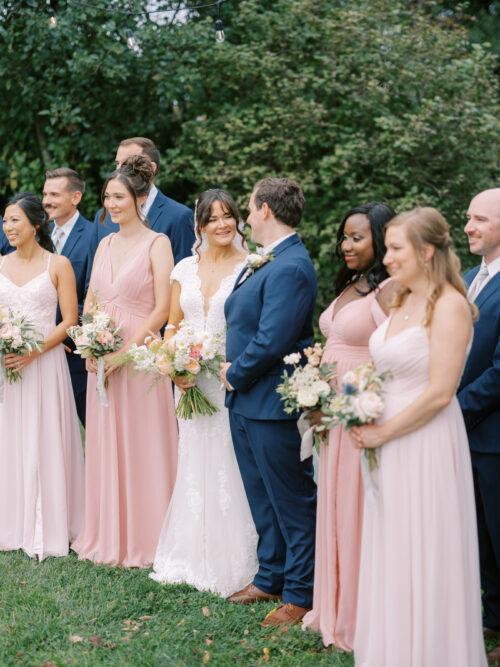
point(96, 336)
point(360, 402)
point(307, 389)
point(186, 354)
point(17, 336)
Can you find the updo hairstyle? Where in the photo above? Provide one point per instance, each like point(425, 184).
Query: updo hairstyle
point(33, 209)
point(426, 226)
point(136, 173)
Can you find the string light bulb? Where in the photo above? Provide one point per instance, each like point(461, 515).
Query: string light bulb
point(52, 20)
point(132, 43)
point(219, 31)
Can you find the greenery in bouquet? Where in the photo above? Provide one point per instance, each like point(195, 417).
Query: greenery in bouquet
point(17, 336)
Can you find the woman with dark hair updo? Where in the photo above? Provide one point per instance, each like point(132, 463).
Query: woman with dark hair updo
point(41, 455)
point(361, 299)
point(131, 446)
point(208, 539)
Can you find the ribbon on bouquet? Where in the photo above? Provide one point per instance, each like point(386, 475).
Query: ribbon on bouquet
point(101, 382)
point(307, 443)
point(369, 483)
point(2, 376)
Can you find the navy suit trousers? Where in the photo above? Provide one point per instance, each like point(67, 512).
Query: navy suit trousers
point(486, 471)
point(282, 497)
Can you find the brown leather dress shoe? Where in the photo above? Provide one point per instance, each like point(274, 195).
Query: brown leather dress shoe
point(494, 656)
point(287, 614)
point(251, 594)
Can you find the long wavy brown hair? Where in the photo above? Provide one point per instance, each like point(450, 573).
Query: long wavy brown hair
point(426, 226)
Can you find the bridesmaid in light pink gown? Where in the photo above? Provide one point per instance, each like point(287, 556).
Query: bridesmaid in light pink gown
point(131, 446)
point(41, 454)
point(347, 325)
point(419, 592)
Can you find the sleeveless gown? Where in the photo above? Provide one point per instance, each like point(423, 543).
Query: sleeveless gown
point(340, 487)
point(41, 455)
point(131, 446)
point(419, 592)
point(208, 538)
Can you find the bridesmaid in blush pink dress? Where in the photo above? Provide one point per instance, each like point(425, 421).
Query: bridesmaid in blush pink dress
point(419, 593)
point(347, 325)
point(131, 446)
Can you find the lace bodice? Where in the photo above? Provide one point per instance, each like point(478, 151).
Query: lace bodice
point(36, 299)
point(192, 301)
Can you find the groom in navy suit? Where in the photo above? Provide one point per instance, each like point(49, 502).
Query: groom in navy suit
point(269, 315)
point(74, 237)
point(479, 396)
point(162, 213)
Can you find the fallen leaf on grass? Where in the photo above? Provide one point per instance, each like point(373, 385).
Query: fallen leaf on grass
point(206, 657)
point(23, 583)
point(49, 663)
point(265, 654)
point(181, 622)
point(96, 641)
point(206, 612)
point(246, 631)
point(145, 618)
point(208, 641)
point(75, 639)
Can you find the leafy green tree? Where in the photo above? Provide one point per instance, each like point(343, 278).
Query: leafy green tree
point(358, 101)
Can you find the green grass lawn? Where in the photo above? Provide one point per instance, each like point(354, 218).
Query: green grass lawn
point(66, 612)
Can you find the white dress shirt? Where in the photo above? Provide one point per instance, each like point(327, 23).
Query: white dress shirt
point(146, 207)
point(483, 277)
point(272, 246)
point(62, 232)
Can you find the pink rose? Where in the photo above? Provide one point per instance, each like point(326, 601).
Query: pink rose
point(105, 338)
point(82, 341)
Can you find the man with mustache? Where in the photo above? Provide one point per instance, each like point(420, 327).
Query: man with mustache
point(74, 237)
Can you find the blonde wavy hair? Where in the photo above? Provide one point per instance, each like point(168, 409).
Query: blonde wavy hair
point(426, 226)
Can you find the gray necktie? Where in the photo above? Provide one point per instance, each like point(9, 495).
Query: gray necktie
point(478, 283)
point(58, 239)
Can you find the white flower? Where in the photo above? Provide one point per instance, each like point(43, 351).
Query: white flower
point(350, 378)
point(292, 359)
point(307, 398)
point(321, 388)
point(368, 406)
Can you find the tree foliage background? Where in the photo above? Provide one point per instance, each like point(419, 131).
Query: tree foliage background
point(394, 100)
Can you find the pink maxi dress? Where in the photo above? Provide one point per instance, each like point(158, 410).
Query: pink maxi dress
point(419, 599)
point(340, 487)
point(131, 446)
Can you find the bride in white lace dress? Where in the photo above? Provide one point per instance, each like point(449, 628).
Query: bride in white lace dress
point(208, 538)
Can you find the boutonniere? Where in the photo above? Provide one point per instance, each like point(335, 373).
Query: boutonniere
point(256, 261)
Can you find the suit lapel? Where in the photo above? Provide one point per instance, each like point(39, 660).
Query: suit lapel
point(73, 237)
point(155, 211)
point(490, 288)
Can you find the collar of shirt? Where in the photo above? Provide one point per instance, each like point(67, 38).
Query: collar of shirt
point(493, 267)
point(67, 227)
point(146, 207)
point(272, 246)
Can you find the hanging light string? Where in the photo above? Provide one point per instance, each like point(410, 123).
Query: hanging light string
point(131, 41)
point(129, 12)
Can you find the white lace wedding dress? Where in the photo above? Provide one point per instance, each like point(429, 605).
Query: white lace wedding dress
point(208, 538)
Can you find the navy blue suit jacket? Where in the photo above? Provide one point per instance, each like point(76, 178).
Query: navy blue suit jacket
point(269, 315)
point(5, 246)
point(166, 216)
point(479, 391)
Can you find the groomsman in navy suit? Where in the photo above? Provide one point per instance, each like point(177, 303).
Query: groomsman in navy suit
point(269, 315)
point(74, 237)
point(5, 246)
point(162, 213)
point(479, 396)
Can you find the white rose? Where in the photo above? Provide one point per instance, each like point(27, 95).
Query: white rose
point(307, 398)
point(368, 406)
point(350, 378)
point(292, 359)
point(321, 387)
